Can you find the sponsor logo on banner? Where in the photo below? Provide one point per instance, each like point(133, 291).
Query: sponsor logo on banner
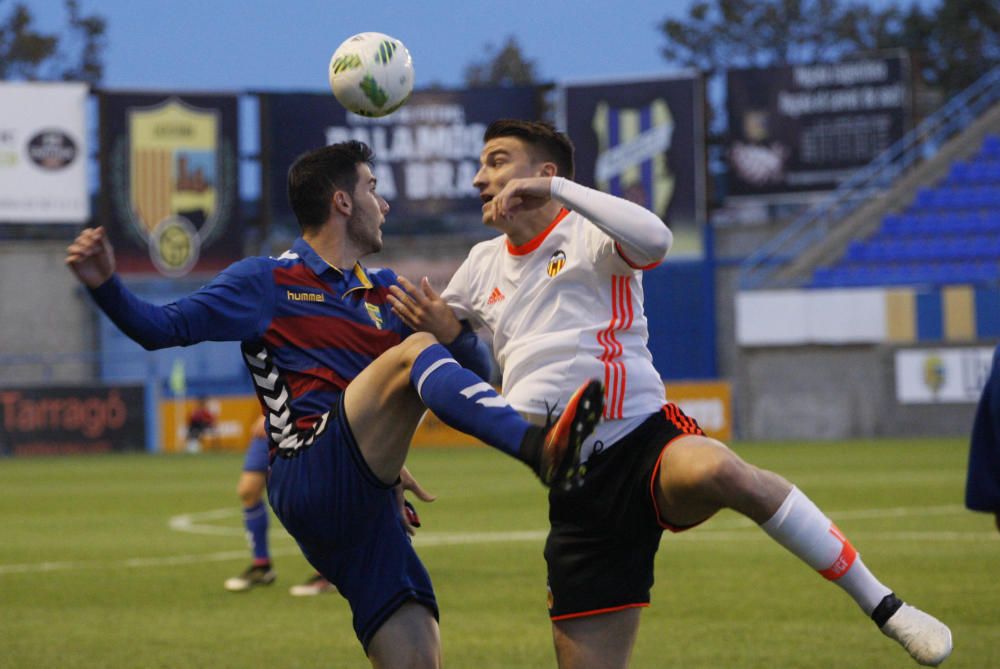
point(52, 149)
point(66, 419)
point(43, 150)
point(942, 376)
point(632, 153)
point(172, 185)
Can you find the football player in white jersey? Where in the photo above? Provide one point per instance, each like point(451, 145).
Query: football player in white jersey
point(561, 294)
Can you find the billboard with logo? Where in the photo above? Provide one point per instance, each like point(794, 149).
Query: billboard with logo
point(808, 127)
point(426, 154)
point(169, 175)
point(43, 153)
point(59, 420)
point(945, 375)
point(643, 139)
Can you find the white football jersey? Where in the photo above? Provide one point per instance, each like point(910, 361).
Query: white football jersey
point(563, 308)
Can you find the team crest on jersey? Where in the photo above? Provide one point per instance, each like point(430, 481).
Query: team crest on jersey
point(556, 263)
point(374, 314)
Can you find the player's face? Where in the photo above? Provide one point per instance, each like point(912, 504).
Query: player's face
point(502, 159)
point(364, 225)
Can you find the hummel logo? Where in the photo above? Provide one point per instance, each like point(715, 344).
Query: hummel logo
point(495, 296)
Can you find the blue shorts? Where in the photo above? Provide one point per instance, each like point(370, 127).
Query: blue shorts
point(256, 459)
point(348, 526)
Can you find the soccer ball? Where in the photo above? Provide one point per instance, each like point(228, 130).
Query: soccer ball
point(371, 74)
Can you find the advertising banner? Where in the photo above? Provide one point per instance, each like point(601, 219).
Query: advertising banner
point(60, 420)
point(808, 127)
point(642, 140)
point(946, 375)
point(169, 175)
point(426, 153)
point(43, 153)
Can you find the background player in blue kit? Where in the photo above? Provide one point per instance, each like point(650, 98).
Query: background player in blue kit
point(253, 480)
point(250, 489)
point(343, 383)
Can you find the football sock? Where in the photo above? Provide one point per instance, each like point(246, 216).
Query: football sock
point(466, 402)
point(255, 520)
point(803, 529)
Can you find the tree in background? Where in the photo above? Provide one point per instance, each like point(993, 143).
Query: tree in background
point(955, 42)
point(506, 67)
point(74, 55)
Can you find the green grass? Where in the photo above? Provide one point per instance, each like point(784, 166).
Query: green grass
point(91, 575)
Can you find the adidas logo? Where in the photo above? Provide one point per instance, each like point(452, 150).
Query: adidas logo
point(495, 296)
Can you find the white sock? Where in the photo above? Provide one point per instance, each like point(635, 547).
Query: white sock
point(803, 529)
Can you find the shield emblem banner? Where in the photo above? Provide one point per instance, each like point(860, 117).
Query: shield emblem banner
point(632, 153)
point(173, 180)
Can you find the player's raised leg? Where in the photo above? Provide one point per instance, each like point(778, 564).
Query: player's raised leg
point(385, 402)
point(698, 476)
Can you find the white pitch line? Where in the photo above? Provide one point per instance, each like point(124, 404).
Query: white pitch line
point(727, 529)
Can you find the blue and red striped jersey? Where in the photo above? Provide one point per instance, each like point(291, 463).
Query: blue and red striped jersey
point(317, 325)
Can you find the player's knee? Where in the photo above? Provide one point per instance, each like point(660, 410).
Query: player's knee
point(711, 465)
point(412, 346)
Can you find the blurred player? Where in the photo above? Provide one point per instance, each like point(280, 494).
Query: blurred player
point(561, 294)
point(200, 423)
point(982, 488)
point(250, 489)
point(343, 383)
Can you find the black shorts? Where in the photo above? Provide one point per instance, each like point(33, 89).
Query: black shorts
point(604, 534)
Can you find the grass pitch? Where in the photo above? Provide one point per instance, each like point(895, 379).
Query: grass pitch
point(118, 561)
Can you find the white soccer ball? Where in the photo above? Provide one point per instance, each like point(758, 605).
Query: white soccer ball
point(371, 74)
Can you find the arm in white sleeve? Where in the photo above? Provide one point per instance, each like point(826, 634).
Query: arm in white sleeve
point(642, 237)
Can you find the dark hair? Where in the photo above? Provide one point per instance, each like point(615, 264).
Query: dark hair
point(317, 174)
point(547, 143)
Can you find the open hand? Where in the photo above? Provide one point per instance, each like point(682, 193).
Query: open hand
point(423, 309)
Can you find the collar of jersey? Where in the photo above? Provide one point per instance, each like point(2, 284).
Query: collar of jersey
point(314, 262)
point(528, 247)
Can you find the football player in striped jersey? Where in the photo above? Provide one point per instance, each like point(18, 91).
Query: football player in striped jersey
point(343, 383)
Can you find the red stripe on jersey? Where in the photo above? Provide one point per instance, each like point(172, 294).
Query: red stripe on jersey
point(317, 332)
point(377, 296)
point(602, 339)
point(319, 378)
point(622, 315)
point(627, 317)
point(298, 275)
point(633, 265)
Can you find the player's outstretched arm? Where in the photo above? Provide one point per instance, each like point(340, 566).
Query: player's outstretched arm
point(643, 238)
point(91, 258)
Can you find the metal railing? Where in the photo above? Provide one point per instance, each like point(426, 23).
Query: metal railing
point(867, 182)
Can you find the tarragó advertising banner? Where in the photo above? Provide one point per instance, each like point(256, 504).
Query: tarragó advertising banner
point(808, 127)
point(169, 181)
point(60, 420)
point(43, 153)
point(426, 153)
